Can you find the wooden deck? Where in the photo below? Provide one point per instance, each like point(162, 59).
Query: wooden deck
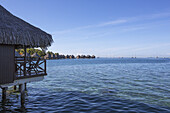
point(29, 67)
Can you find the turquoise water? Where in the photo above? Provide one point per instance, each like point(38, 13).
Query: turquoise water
point(99, 85)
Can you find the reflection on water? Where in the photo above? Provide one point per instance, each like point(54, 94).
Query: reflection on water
point(99, 85)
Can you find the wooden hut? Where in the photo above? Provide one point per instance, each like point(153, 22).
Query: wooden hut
point(62, 56)
point(67, 57)
point(78, 56)
point(15, 33)
point(53, 56)
point(93, 56)
point(72, 57)
point(88, 56)
point(82, 56)
point(57, 56)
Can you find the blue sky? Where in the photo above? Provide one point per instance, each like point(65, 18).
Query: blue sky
point(105, 28)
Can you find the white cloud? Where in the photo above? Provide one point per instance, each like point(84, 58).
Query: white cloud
point(116, 28)
point(116, 22)
point(112, 23)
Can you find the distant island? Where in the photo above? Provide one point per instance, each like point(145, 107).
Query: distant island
point(51, 55)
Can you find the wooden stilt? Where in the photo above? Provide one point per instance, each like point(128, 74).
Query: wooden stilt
point(15, 87)
point(4, 93)
point(22, 91)
point(25, 86)
point(20, 87)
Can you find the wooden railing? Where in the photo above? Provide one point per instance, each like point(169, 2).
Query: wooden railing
point(29, 67)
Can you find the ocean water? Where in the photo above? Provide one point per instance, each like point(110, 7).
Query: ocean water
point(98, 86)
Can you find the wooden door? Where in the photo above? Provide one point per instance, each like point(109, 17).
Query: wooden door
point(7, 65)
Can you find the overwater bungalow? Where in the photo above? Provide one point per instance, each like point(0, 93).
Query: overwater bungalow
point(53, 56)
point(93, 56)
point(78, 56)
point(15, 33)
point(57, 56)
point(82, 56)
point(88, 56)
point(72, 57)
point(62, 56)
point(67, 57)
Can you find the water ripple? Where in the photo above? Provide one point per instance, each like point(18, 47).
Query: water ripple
point(100, 85)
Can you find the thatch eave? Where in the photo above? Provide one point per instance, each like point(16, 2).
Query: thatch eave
point(15, 31)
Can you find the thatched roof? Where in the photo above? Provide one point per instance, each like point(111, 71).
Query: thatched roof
point(15, 31)
point(88, 56)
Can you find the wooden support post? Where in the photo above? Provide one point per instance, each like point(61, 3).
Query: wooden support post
point(4, 93)
point(15, 87)
point(45, 66)
point(25, 86)
point(25, 50)
point(19, 87)
point(22, 91)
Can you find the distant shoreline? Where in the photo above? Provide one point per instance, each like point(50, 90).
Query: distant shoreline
point(57, 56)
point(135, 57)
point(115, 58)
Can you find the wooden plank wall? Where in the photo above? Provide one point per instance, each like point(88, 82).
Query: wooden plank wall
point(7, 64)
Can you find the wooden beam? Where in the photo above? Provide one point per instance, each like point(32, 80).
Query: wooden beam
point(25, 49)
point(32, 76)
